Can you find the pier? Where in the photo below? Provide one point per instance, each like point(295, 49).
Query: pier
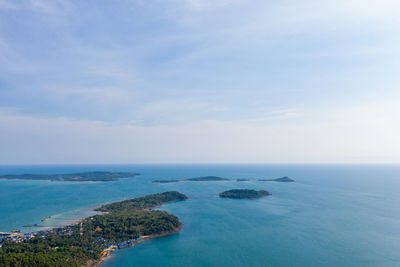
point(43, 225)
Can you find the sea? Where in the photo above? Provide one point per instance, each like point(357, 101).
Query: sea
point(332, 215)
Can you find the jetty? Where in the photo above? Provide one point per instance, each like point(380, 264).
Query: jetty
point(43, 225)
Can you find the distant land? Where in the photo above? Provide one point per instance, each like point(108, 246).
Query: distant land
point(284, 179)
point(97, 176)
point(125, 223)
point(197, 179)
point(244, 193)
point(216, 178)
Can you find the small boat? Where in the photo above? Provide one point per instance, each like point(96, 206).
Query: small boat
point(44, 219)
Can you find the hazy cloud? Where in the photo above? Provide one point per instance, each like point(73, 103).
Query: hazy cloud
point(220, 80)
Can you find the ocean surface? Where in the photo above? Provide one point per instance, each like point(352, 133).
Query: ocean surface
point(333, 215)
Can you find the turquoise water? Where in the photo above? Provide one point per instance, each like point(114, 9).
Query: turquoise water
point(333, 215)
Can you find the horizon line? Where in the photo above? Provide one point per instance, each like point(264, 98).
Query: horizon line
point(205, 163)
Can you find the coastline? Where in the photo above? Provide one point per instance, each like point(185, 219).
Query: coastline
point(63, 219)
point(109, 252)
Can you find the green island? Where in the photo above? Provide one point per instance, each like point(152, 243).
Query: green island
point(244, 193)
point(284, 179)
point(197, 179)
point(93, 239)
point(97, 176)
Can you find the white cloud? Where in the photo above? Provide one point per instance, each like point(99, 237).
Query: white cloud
point(351, 135)
point(275, 115)
point(173, 111)
point(255, 19)
point(115, 73)
point(50, 6)
point(201, 5)
point(5, 4)
point(42, 5)
point(13, 61)
point(224, 61)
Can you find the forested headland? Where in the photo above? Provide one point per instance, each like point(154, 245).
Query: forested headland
point(124, 224)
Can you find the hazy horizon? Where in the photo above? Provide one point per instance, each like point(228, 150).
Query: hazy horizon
point(199, 82)
point(196, 164)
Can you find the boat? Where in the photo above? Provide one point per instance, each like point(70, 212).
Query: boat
point(44, 219)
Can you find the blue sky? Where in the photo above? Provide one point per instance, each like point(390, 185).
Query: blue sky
point(168, 81)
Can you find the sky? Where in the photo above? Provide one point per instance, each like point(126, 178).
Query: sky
point(199, 81)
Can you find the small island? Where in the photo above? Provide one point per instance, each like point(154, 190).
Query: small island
point(92, 240)
point(197, 179)
point(244, 193)
point(96, 176)
point(242, 180)
point(284, 179)
point(166, 181)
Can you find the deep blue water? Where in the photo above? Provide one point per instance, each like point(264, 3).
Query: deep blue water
point(333, 215)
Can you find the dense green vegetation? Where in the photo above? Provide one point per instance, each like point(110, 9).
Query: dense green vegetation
point(284, 179)
point(207, 178)
point(51, 249)
point(73, 177)
point(216, 178)
point(197, 179)
point(244, 193)
point(124, 221)
point(146, 202)
point(166, 181)
point(123, 226)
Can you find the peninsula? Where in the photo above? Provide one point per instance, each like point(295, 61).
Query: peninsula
point(89, 242)
point(244, 193)
point(284, 179)
point(197, 179)
point(97, 176)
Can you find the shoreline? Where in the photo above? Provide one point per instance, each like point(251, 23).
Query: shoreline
point(69, 218)
point(73, 221)
point(105, 251)
point(110, 251)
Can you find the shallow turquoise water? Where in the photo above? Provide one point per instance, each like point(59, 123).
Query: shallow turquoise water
point(333, 215)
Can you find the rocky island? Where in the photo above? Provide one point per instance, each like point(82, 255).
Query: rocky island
point(244, 193)
point(197, 179)
point(97, 176)
point(284, 179)
point(87, 243)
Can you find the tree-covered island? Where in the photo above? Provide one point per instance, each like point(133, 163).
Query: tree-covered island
point(197, 179)
point(244, 193)
point(125, 223)
point(242, 180)
point(284, 179)
point(97, 176)
point(216, 178)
